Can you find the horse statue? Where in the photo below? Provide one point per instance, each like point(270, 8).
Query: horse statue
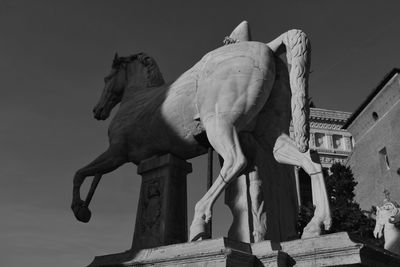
point(383, 224)
point(221, 96)
point(266, 188)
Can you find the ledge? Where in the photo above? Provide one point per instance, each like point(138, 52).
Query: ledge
point(337, 249)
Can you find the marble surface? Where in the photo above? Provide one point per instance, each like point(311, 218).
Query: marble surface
point(338, 249)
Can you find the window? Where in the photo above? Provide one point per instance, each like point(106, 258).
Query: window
point(375, 116)
point(384, 159)
point(337, 141)
point(320, 140)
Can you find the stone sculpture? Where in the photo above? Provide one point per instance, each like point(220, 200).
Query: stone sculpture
point(266, 189)
point(386, 224)
point(225, 95)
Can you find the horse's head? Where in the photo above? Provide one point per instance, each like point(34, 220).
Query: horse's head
point(115, 84)
point(132, 72)
point(383, 214)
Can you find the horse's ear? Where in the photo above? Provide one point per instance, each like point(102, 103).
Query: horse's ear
point(115, 60)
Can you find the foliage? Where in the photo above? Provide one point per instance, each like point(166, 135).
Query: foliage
point(346, 213)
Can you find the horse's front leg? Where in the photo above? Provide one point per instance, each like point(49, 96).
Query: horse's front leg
point(285, 151)
point(106, 162)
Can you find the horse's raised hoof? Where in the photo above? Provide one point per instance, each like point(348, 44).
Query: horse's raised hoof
point(378, 233)
point(327, 224)
point(81, 212)
point(198, 229)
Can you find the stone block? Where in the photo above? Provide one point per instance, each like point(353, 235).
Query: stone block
point(162, 211)
point(211, 253)
point(337, 249)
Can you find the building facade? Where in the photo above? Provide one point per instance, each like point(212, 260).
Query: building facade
point(332, 143)
point(375, 127)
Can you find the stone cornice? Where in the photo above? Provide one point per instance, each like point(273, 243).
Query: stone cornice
point(327, 119)
point(334, 116)
point(325, 151)
point(371, 96)
point(328, 125)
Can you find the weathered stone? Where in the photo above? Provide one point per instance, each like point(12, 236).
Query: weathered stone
point(338, 249)
point(376, 130)
point(386, 224)
point(329, 250)
point(257, 193)
point(162, 211)
point(238, 91)
point(210, 253)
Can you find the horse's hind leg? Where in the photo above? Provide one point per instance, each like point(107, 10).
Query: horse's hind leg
point(285, 151)
point(225, 140)
point(110, 160)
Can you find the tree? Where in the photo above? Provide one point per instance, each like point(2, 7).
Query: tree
point(346, 213)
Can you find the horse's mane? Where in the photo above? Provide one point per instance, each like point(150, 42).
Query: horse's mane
point(154, 76)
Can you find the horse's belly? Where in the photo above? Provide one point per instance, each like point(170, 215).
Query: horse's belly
point(158, 137)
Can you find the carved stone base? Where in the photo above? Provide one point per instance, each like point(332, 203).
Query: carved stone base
point(329, 250)
point(210, 253)
point(162, 211)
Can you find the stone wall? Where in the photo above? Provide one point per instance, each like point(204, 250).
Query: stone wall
point(375, 160)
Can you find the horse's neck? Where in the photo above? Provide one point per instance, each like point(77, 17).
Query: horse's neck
point(132, 90)
point(142, 94)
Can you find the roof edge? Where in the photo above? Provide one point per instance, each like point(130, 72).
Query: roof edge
point(374, 92)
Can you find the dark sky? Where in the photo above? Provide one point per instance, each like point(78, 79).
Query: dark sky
point(53, 57)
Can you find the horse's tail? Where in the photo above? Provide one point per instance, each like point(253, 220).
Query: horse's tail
point(298, 52)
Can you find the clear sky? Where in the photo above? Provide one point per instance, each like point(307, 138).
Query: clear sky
point(53, 57)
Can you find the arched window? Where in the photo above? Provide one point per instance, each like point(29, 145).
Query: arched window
point(375, 116)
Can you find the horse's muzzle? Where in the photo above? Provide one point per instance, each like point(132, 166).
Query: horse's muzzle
point(99, 113)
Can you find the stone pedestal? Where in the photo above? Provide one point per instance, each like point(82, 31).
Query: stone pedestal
point(208, 253)
point(337, 249)
point(162, 211)
point(328, 250)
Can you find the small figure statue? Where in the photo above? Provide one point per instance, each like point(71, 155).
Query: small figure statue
point(386, 218)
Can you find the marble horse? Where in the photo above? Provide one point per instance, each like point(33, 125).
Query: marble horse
point(222, 96)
